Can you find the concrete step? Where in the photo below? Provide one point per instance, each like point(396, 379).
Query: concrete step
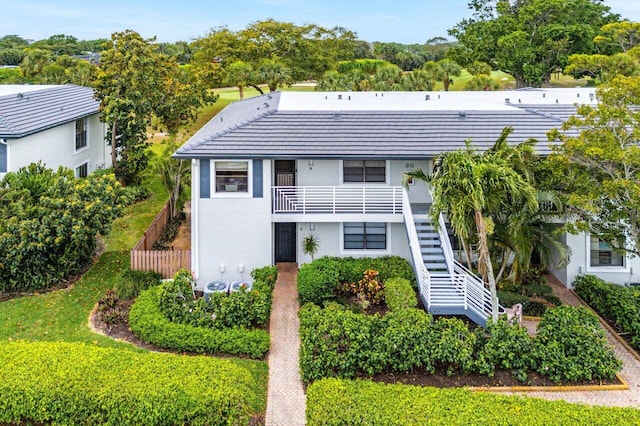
point(435, 266)
point(431, 249)
point(433, 257)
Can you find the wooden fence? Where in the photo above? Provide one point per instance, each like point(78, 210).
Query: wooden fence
point(165, 262)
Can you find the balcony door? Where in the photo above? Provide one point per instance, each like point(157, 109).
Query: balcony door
point(285, 242)
point(285, 173)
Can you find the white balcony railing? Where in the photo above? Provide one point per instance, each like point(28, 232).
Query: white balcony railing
point(337, 199)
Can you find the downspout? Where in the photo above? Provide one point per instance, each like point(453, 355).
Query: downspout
point(195, 217)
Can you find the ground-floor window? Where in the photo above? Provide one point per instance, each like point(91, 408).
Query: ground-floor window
point(603, 255)
point(365, 236)
point(82, 171)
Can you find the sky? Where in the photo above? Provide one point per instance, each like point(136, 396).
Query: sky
point(403, 21)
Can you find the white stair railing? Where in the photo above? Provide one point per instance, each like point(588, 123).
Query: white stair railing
point(422, 274)
point(478, 297)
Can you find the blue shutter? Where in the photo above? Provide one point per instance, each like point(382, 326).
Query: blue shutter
point(3, 158)
point(257, 179)
point(205, 179)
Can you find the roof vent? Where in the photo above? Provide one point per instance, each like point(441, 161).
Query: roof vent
point(339, 97)
point(544, 95)
point(578, 94)
point(427, 97)
point(438, 96)
point(507, 101)
point(519, 100)
point(556, 101)
point(269, 96)
point(337, 116)
point(265, 105)
point(462, 114)
point(20, 96)
point(349, 97)
point(592, 96)
point(220, 119)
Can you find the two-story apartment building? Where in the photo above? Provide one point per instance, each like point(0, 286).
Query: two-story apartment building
point(269, 170)
point(58, 125)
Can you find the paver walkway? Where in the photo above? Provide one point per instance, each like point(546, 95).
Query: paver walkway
point(286, 400)
point(630, 372)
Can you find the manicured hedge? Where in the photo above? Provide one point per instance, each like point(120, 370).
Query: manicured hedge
point(66, 383)
point(147, 322)
point(345, 402)
point(399, 294)
point(616, 303)
point(319, 280)
point(337, 342)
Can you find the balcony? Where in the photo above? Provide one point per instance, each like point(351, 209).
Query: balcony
point(337, 203)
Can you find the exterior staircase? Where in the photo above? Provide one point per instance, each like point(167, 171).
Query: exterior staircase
point(430, 245)
point(445, 286)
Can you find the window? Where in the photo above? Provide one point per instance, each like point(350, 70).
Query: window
point(82, 171)
point(365, 236)
point(232, 176)
point(81, 133)
point(373, 171)
point(603, 255)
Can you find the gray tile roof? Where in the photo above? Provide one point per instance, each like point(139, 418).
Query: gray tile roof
point(30, 112)
point(262, 128)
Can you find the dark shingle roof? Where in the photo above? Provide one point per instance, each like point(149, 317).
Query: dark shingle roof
point(30, 112)
point(258, 128)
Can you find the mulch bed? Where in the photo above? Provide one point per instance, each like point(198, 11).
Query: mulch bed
point(502, 378)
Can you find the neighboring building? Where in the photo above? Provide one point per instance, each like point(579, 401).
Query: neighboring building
point(269, 170)
point(58, 125)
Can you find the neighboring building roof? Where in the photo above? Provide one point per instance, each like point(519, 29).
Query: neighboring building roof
point(379, 125)
point(28, 109)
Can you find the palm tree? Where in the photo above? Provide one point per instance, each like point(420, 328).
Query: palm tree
point(443, 70)
point(466, 184)
point(274, 73)
point(417, 80)
point(239, 74)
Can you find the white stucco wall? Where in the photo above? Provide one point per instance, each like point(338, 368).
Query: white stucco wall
point(56, 147)
point(579, 264)
point(330, 236)
point(232, 230)
point(238, 230)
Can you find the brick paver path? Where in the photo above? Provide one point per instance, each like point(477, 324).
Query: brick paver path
point(630, 372)
point(286, 400)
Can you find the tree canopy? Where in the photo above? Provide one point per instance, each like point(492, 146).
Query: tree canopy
point(529, 39)
point(598, 164)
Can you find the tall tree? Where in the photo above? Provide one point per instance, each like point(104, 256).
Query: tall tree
point(239, 74)
point(528, 39)
point(35, 60)
point(274, 73)
point(133, 83)
point(470, 187)
point(600, 166)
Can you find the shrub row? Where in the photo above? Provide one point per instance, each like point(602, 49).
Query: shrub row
point(616, 303)
point(345, 402)
point(319, 280)
point(64, 383)
point(337, 342)
point(148, 322)
point(534, 308)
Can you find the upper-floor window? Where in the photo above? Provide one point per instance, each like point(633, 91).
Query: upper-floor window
point(603, 255)
point(232, 176)
point(82, 171)
point(372, 171)
point(81, 133)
